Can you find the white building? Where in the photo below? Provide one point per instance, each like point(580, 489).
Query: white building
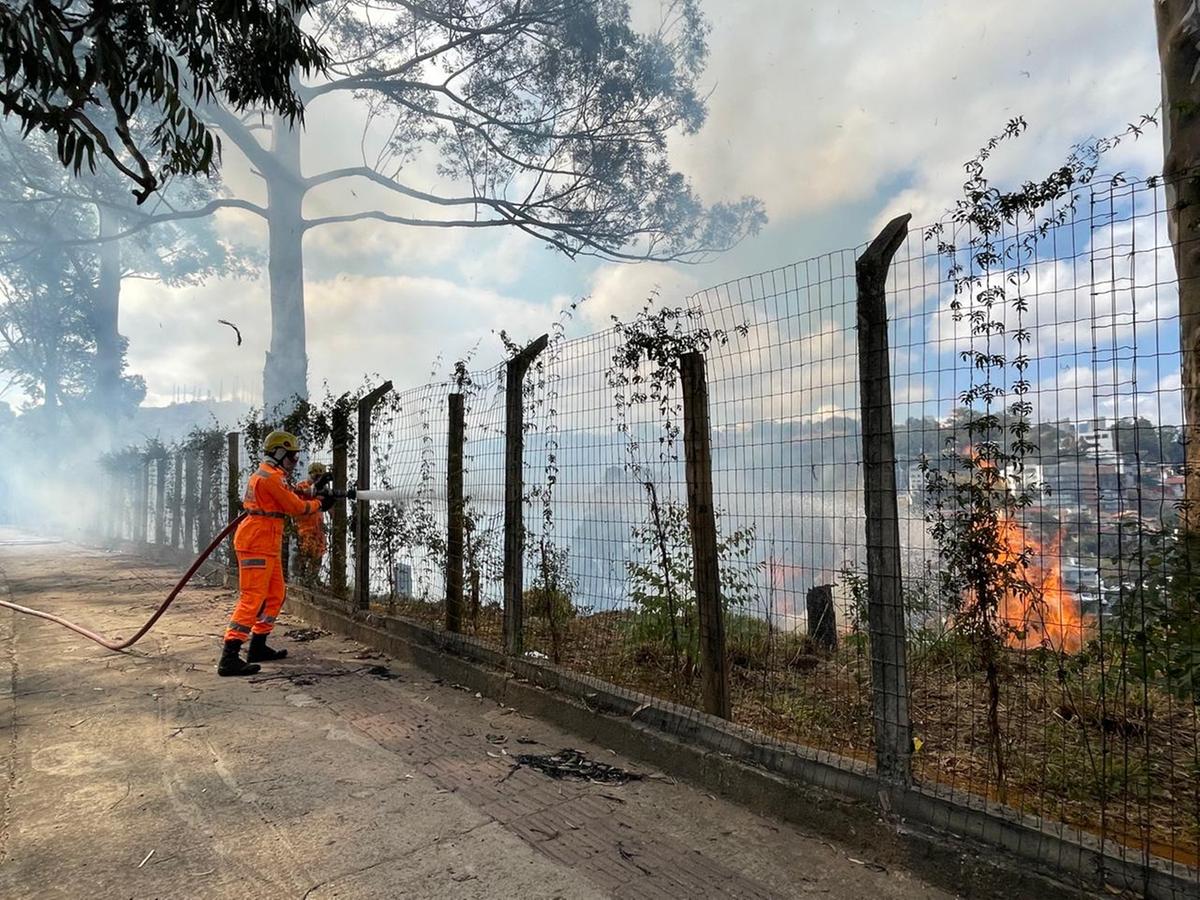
point(1096, 438)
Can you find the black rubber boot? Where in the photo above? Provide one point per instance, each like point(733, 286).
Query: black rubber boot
point(260, 652)
point(231, 662)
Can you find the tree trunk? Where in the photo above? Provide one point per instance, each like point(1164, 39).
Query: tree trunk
point(285, 375)
point(1179, 53)
point(105, 320)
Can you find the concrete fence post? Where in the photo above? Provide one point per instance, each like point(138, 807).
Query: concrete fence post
point(233, 485)
point(362, 518)
point(190, 502)
point(885, 604)
point(142, 531)
point(337, 542)
point(208, 467)
point(160, 498)
point(514, 490)
point(454, 512)
point(177, 501)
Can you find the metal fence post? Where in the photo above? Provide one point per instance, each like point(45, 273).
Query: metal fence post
point(189, 503)
point(514, 489)
point(454, 513)
point(702, 520)
point(337, 548)
point(233, 487)
point(885, 602)
point(160, 498)
point(362, 518)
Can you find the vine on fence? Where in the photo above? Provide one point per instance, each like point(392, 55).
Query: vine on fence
point(978, 491)
point(550, 594)
point(645, 371)
point(477, 541)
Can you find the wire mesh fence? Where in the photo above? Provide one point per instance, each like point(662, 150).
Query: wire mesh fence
point(1039, 428)
point(1045, 655)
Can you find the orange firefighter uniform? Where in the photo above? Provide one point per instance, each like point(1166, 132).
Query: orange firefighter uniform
point(310, 527)
point(258, 543)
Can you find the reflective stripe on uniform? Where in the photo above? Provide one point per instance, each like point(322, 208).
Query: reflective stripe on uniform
point(266, 619)
point(269, 515)
point(238, 627)
point(256, 563)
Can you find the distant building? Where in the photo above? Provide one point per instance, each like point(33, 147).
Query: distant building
point(1031, 478)
point(1096, 438)
point(1072, 480)
point(1173, 486)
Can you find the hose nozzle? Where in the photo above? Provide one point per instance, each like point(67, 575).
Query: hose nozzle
point(393, 496)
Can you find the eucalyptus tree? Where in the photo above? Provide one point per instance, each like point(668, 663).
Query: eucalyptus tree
point(58, 243)
point(551, 117)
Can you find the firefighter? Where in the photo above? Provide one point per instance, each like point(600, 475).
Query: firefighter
point(310, 528)
point(258, 542)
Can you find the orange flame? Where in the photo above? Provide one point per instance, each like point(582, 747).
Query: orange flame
point(1046, 614)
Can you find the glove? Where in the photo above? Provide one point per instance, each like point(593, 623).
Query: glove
point(327, 501)
point(322, 482)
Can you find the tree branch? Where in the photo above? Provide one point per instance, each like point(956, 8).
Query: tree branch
point(242, 136)
point(381, 216)
point(178, 215)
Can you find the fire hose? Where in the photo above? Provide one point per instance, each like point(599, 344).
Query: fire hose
point(117, 644)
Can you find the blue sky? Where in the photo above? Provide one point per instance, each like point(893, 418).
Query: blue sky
point(837, 115)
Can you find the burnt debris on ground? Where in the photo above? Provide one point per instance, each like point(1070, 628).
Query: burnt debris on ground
point(568, 763)
point(305, 634)
point(379, 672)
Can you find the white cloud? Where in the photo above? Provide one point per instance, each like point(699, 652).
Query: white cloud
point(622, 290)
point(833, 101)
point(500, 264)
point(397, 326)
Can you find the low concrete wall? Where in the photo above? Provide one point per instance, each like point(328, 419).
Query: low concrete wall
point(978, 851)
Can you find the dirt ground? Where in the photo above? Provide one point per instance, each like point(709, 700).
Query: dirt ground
point(334, 773)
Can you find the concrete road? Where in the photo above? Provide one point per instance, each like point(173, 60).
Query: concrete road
point(335, 773)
